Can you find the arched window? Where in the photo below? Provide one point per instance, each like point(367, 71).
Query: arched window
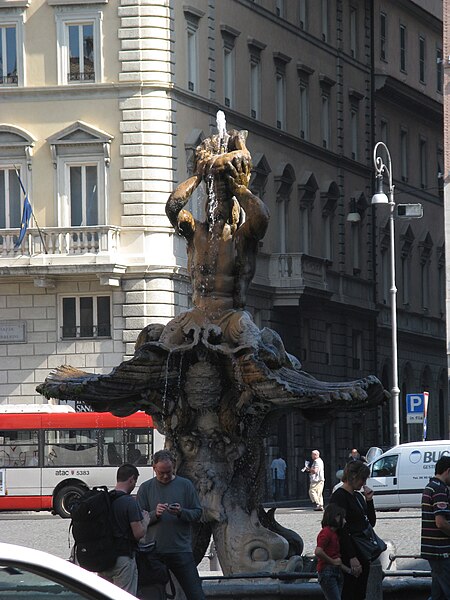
point(425, 249)
point(81, 157)
point(329, 196)
point(307, 189)
point(284, 182)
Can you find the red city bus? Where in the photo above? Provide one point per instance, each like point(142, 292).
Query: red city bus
point(49, 458)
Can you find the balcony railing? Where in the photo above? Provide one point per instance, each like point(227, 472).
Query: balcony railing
point(297, 270)
point(62, 241)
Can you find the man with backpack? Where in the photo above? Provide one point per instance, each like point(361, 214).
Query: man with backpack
point(129, 525)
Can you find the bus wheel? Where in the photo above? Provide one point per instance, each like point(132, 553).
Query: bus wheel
point(65, 498)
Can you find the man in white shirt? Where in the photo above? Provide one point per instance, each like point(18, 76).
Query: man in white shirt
point(316, 480)
point(278, 471)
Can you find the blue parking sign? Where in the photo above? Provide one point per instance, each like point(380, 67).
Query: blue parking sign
point(415, 408)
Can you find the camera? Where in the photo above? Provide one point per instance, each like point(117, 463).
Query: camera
point(173, 505)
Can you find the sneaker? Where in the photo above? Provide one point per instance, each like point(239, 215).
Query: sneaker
point(319, 508)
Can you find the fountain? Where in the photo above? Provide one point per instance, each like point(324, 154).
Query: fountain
point(210, 378)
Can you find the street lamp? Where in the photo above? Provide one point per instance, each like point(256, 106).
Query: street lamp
point(380, 198)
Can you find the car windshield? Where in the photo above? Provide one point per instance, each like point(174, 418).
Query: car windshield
point(20, 583)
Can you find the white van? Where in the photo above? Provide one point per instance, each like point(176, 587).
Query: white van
point(399, 475)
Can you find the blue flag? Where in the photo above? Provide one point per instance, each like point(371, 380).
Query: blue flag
point(26, 215)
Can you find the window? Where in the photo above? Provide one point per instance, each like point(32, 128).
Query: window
point(79, 35)
point(280, 60)
point(425, 284)
point(353, 32)
point(10, 198)
point(228, 72)
point(229, 36)
point(384, 131)
point(383, 35)
point(305, 228)
point(385, 273)
point(280, 8)
point(81, 157)
point(385, 467)
point(354, 128)
point(404, 154)
point(86, 317)
point(132, 446)
point(402, 48)
point(303, 14)
point(255, 48)
point(324, 20)
point(8, 55)
point(69, 447)
point(19, 448)
point(280, 86)
point(422, 59)
point(12, 56)
point(356, 248)
point(423, 163)
point(192, 57)
point(405, 277)
point(325, 119)
point(83, 185)
point(439, 70)
point(304, 109)
point(328, 344)
point(356, 350)
point(255, 87)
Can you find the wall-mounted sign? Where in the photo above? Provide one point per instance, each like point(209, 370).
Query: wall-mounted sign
point(13, 332)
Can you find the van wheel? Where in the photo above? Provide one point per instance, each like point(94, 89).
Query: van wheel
point(65, 498)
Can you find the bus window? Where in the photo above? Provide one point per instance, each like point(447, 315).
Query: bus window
point(19, 448)
point(139, 446)
point(70, 447)
point(113, 446)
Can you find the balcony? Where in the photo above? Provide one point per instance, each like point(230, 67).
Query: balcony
point(292, 276)
point(60, 245)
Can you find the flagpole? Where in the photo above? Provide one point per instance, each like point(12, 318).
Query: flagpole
point(32, 212)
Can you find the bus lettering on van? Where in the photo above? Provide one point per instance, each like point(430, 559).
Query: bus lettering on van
point(434, 456)
point(62, 472)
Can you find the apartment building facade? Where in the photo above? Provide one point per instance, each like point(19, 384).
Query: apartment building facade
point(100, 118)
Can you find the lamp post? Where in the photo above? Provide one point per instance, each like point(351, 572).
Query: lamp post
point(380, 198)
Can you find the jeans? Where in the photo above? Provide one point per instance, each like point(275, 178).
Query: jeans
point(331, 580)
point(182, 565)
point(440, 582)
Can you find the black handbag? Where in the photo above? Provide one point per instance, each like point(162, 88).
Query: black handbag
point(368, 544)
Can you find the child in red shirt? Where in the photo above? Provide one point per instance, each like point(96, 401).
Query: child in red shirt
point(329, 565)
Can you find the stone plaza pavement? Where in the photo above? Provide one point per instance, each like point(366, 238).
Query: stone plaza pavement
point(401, 528)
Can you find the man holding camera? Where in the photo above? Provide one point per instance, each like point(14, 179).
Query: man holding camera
point(173, 504)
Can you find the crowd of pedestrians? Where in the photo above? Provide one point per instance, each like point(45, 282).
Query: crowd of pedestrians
point(165, 507)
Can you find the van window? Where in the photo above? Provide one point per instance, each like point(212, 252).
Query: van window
point(385, 467)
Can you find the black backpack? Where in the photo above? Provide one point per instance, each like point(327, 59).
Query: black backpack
point(92, 529)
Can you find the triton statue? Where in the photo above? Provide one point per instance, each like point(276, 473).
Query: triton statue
point(210, 378)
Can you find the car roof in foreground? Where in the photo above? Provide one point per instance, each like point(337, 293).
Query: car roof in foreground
point(24, 556)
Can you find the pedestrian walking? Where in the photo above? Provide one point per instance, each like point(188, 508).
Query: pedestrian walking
point(173, 504)
point(435, 536)
point(330, 567)
point(316, 479)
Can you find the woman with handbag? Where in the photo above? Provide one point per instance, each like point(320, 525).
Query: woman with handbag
point(360, 512)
